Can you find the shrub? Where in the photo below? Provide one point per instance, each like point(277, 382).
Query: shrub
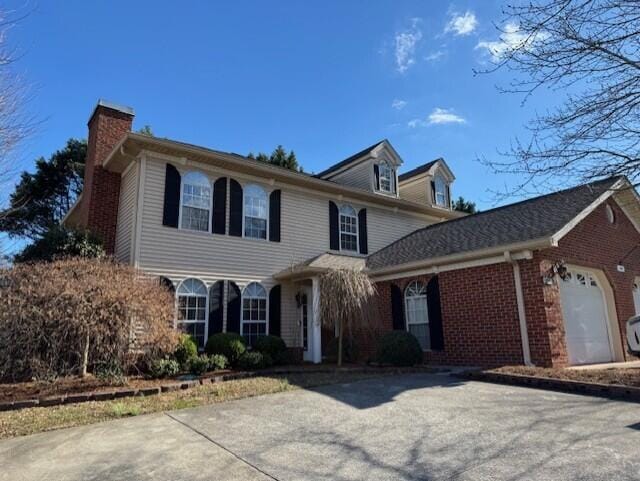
point(186, 349)
point(110, 373)
point(217, 362)
point(159, 368)
point(349, 350)
point(67, 316)
point(272, 345)
point(60, 242)
point(230, 345)
point(286, 358)
point(198, 365)
point(252, 360)
point(399, 348)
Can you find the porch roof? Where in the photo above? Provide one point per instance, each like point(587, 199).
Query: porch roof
point(320, 264)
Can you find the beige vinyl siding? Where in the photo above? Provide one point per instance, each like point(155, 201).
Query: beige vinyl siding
point(126, 214)
point(418, 190)
point(179, 254)
point(360, 176)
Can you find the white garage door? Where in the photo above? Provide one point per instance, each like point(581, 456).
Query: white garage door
point(585, 319)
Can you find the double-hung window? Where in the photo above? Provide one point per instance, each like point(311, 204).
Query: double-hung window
point(386, 175)
point(254, 313)
point(440, 194)
point(195, 208)
point(255, 212)
point(348, 229)
point(417, 314)
point(192, 309)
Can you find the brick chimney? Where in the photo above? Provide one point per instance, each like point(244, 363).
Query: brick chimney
point(108, 124)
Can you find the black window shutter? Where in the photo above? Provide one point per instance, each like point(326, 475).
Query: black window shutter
point(362, 231)
point(397, 308)
point(334, 228)
point(433, 192)
point(448, 199)
point(219, 215)
point(235, 208)
point(376, 173)
point(274, 310)
point(274, 216)
point(216, 307)
point(393, 181)
point(435, 314)
point(234, 307)
point(171, 209)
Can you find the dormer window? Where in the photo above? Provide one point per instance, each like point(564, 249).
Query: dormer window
point(386, 175)
point(440, 191)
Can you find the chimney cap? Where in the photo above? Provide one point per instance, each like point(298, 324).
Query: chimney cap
point(113, 106)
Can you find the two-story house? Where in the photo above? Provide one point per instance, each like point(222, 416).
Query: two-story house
point(242, 243)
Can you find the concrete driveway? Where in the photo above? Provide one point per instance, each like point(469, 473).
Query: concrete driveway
point(413, 427)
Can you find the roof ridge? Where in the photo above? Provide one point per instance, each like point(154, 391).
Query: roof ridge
point(416, 170)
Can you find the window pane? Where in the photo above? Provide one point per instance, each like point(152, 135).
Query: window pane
point(421, 331)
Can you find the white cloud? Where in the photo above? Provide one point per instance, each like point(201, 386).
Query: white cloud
point(398, 104)
point(435, 56)
point(462, 24)
point(436, 117)
point(510, 39)
point(444, 116)
point(405, 45)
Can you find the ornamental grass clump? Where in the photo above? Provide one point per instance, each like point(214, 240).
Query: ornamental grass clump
point(68, 316)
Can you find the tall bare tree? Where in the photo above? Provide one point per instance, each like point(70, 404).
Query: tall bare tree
point(15, 124)
point(345, 293)
point(589, 50)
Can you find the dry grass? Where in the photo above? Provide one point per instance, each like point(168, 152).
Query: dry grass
point(622, 377)
point(34, 420)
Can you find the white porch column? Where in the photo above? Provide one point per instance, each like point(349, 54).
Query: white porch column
point(316, 336)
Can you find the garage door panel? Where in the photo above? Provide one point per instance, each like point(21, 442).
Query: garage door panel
point(585, 319)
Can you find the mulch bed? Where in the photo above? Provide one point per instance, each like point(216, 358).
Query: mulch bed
point(621, 377)
point(622, 384)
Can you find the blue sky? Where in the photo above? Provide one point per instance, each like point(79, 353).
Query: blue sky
point(325, 78)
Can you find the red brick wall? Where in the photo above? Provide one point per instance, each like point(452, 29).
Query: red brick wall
point(99, 208)
point(479, 316)
point(597, 244)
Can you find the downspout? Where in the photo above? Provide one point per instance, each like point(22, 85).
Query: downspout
point(524, 333)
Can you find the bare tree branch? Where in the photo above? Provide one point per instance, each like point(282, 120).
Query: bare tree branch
point(589, 49)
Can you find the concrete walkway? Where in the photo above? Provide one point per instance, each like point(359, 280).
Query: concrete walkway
point(412, 427)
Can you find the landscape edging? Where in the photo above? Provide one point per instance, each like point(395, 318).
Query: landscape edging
point(611, 391)
point(173, 385)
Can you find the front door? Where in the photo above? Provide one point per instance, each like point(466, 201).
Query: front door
point(305, 325)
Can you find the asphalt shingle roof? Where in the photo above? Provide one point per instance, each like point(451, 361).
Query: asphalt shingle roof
point(349, 159)
point(520, 222)
point(418, 170)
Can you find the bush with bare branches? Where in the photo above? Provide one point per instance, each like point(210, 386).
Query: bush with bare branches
point(343, 302)
point(68, 316)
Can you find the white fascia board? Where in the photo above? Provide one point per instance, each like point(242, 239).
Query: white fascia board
point(585, 212)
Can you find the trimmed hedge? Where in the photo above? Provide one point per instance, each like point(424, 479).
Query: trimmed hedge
point(252, 360)
point(187, 349)
point(399, 348)
point(229, 344)
point(274, 346)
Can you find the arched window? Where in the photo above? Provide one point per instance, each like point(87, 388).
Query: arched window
point(196, 202)
point(255, 212)
point(348, 229)
point(417, 314)
point(440, 194)
point(254, 312)
point(386, 174)
point(192, 309)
